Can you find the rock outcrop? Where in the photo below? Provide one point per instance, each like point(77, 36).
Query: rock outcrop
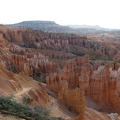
point(74, 99)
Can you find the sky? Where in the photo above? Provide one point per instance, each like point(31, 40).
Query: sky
point(105, 13)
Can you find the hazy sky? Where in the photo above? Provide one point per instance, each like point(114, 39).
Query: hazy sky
point(105, 13)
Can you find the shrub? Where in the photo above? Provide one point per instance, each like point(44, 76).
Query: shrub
point(43, 79)
point(21, 110)
point(27, 100)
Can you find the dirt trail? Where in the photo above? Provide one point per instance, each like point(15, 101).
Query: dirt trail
point(23, 91)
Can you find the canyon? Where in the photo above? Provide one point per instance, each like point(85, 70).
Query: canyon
point(76, 76)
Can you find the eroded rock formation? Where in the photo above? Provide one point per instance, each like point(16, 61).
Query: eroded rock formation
point(77, 70)
point(68, 43)
point(103, 85)
point(74, 99)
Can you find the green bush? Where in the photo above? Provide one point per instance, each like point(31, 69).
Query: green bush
point(27, 100)
point(43, 79)
point(21, 110)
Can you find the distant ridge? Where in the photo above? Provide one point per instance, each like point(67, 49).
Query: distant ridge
point(39, 21)
point(46, 26)
point(51, 26)
point(85, 26)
